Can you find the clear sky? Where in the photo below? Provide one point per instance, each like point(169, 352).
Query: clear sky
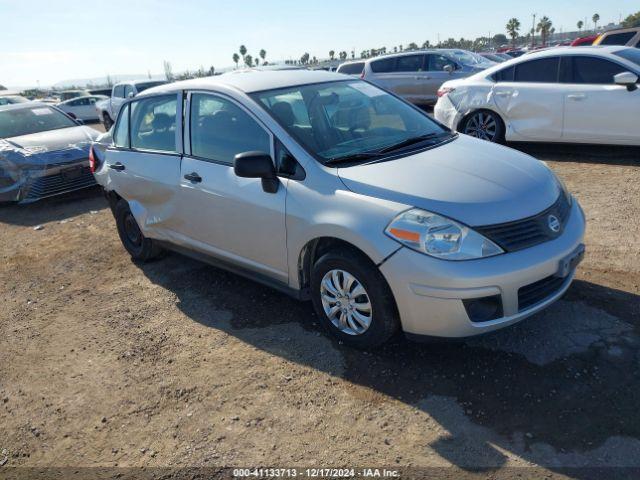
point(53, 40)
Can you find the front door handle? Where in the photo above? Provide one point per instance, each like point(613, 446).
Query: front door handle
point(576, 96)
point(117, 166)
point(193, 177)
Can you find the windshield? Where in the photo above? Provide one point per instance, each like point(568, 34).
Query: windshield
point(25, 121)
point(341, 120)
point(141, 87)
point(631, 54)
point(470, 58)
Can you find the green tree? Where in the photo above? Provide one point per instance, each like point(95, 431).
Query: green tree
point(248, 60)
point(243, 52)
point(256, 61)
point(263, 55)
point(513, 29)
point(331, 54)
point(595, 19)
point(412, 46)
point(632, 20)
point(304, 59)
point(342, 55)
point(580, 24)
point(499, 39)
point(544, 27)
point(236, 59)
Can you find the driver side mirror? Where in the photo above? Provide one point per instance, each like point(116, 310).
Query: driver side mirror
point(627, 79)
point(448, 68)
point(131, 95)
point(257, 165)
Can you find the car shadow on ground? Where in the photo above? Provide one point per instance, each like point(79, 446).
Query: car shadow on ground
point(53, 209)
point(606, 154)
point(559, 389)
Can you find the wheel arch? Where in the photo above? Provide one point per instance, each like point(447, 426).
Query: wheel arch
point(484, 108)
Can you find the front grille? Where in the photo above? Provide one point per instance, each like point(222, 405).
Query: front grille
point(60, 183)
point(537, 292)
point(528, 232)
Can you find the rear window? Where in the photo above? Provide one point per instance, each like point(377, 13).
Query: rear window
point(617, 38)
point(543, 70)
point(36, 119)
point(631, 54)
point(594, 70)
point(351, 68)
point(410, 63)
point(383, 65)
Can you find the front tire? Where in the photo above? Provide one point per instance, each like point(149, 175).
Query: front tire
point(140, 248)
point(106, 121)
point(352, 299)
point(485, 125)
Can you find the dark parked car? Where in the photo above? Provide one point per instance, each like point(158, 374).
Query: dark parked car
point(43, 152)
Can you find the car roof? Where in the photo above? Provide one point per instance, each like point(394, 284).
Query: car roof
point(136, 82)
point(251, 81)
point(20, 106)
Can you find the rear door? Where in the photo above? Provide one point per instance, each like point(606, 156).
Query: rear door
point(224, 215)
point(403, 75)
point(144, 161)
point(595, 108)
point(436, 74)
point(530, 98)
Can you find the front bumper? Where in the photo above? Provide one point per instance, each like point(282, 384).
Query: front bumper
point(429, 291)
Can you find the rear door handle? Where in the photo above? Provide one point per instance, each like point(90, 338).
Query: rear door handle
point(576, 96)
point(193, 177)
point(117, 166)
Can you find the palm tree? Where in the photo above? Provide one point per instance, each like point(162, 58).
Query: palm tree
point(331, 54)
point(248, 60)
point(513, 27)
point(580, 24)
point(595, 19)
point(256, 61)
point(263, 55)
point(544, 27)
point(243, 52)
point(236, 59)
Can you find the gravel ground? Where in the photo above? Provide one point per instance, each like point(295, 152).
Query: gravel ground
point(174, 363)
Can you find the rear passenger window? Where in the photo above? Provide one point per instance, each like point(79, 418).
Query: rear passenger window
point(220, 130)
point(544, 70)
point(617, 38)
point(438, 62)
point(153, 124)
point(594, 70)
point(351, 68)
point(118, 91)
point(384, 65)
point(505, 75)
point(410, 63)
point(121, 133)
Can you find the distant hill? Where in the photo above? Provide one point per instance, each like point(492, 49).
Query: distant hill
point(100, 81)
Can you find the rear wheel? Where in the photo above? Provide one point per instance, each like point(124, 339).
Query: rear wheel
point(139, 247)
point(485, 125)
point(352, 299)
point(106, 121)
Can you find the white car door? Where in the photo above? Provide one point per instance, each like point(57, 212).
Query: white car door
point(530, 99)
point(144, 162)
point(596, 110)
point(222, 214)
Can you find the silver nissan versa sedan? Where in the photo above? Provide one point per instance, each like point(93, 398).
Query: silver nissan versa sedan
point(334, 190)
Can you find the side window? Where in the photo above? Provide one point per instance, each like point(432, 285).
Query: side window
point(127, 90)
point(118, 91)
point(438, 62)
point(383, 65)
point(220, 129)
point(594, 70)
point(618, 38)
point(153, 124)
point(121, 133)
point(505, 75)
point(543, 70)
point(410, 63)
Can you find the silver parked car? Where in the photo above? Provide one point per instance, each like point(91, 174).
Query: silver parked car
point(43, 152)
point(333, 190)
point(416, 76)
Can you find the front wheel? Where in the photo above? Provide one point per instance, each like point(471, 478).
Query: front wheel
point(484, 125)
point(352, 299)
point(140, 248)
point(106, 121)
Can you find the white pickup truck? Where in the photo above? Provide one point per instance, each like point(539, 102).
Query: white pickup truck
point(108, 109)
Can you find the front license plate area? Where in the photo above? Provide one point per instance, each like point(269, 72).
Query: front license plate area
point(570, 262)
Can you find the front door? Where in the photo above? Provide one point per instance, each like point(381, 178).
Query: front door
point(224, 215)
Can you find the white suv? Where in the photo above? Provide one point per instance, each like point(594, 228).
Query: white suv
point(331, 189)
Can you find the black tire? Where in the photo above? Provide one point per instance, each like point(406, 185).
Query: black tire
point(106, 121)
point(471, 126)
point(140, 248)
point(384, 314)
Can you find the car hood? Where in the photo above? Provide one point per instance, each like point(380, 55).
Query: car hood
point(469, 180)
point(55, 139)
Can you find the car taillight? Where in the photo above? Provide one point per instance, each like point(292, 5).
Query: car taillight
point(442, 91)
point(93, 165)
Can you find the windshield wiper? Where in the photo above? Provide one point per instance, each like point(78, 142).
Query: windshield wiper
point(408, 142)
point(355, 157)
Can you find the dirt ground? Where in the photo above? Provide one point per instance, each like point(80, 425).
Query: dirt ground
point(106, 363)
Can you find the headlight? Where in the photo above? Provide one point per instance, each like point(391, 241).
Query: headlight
point(439, 236)
point(563, 189)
